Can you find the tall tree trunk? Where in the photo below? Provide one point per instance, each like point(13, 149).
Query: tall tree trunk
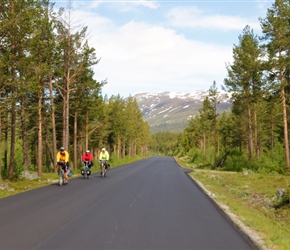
point(24, 136)
point(64, 117)
point(119, 147)
point(272, 135)
point(215, 132)
point(250, 133)
point(257, 150)
point(218, 147)
point(6, 144)
point(49, 158)
point(124, 149)
point(12, 141)
point(75, 141)
point(87, 130)
point(134, 147)
point(13, 95)
point(67, 82)
point(67, 119)
point(286, 141)
point(54, 142)
point(40, 145)
point(130, 148)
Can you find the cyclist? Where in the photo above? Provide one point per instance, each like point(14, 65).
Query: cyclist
point(62, 158)
point(104, 156)
point(87, 156)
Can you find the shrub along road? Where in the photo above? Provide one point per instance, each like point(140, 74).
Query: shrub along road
point(149, 204)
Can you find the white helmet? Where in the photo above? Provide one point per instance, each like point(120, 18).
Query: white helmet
point(88, 151)
point(103, 149)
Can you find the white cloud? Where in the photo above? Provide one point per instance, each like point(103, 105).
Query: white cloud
point(195, 18)
point(141, 57)
point(138, 57)
point(149, 4)
point(121, 5)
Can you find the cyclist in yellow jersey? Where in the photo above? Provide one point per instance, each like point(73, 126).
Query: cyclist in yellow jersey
point(62, 158)
point(104, 156)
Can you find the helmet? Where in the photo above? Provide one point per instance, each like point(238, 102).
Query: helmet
point(103, 149)
point(61, 149)
point(88, 151)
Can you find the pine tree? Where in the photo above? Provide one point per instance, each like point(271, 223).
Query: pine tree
point(276, 30)
point(244, 77)
point(214, 101)
point(207, 116)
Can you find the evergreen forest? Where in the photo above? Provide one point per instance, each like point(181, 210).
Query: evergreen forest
point(254, 135)
point(50, 98)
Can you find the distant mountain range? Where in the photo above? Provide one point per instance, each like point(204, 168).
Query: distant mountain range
point(168, 111)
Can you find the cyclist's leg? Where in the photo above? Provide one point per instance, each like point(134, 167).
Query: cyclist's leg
point(102, 167)
point(64, 168)
point(60, 167)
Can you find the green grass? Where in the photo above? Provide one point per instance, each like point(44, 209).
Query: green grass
point(16, 186)
point(252, 198)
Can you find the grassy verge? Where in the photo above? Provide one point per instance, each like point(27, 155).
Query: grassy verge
point(251, 197)
point(16, 186)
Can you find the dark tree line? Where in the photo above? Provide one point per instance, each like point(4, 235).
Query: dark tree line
point(49, 97)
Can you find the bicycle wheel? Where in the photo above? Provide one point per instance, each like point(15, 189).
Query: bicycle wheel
point(61, 177)
point(103, 170)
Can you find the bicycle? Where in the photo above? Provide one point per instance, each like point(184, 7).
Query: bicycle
point(61, 168)
point(86, 171)
point(104, 167)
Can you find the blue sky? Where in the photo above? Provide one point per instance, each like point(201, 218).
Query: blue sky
point(156, 46)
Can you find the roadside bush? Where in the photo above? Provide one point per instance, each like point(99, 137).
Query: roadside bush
point(18, 167)
point(236, 162)
point(268, 165)
point(196, 156)
point(265, 164)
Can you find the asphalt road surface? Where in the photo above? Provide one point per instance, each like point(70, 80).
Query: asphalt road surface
point(150, 204)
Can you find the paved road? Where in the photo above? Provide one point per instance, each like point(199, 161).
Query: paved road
point(150, 204)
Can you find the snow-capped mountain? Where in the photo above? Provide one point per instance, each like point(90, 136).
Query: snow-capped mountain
point(169, 111)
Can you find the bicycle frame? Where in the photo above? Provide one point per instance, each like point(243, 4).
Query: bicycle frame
point(61, 174)
point(103, 164)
